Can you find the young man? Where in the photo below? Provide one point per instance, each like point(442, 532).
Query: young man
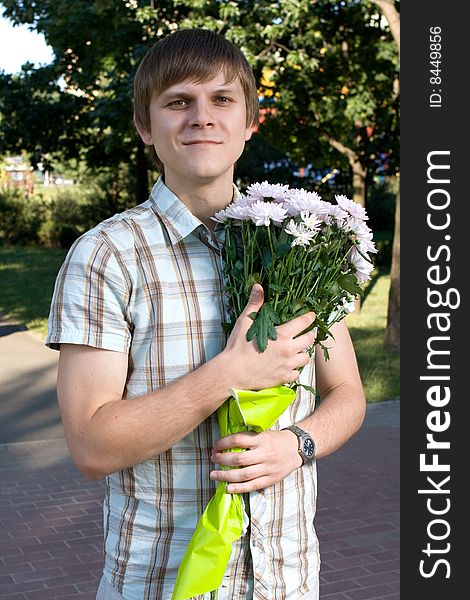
point(144, 364)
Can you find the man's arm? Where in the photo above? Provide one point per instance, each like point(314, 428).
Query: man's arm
point(106, 434)
point(273, 454)
point(342, 407)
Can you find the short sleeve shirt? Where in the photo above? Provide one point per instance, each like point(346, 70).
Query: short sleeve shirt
point(148, 282)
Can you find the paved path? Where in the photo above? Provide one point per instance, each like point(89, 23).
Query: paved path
point(28, 371)
point(50, 516)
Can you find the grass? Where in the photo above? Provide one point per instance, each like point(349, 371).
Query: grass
point(27, 278)
point(379, 367)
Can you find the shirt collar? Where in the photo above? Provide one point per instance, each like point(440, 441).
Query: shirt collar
point(176, 216)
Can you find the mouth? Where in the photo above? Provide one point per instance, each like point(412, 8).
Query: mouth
point(201, 143)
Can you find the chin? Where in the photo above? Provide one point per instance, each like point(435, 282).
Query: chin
point(207, 173)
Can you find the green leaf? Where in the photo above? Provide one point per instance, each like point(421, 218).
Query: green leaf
point(263, 326)
point(283, 249)
point(309, 388)
point(348, 283)
point(267, 258)
point(300, 305)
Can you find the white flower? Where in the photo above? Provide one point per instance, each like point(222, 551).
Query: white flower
point(337, 213)
point(244, 200)
point(363, 234)
point(366, 246)
point(262, 213)
point(237, 211)
point(302, 235)
point(353, 208)
point(277, 191)
point(220, 216)
point(301, 200)
point(363, 267)
point(310, 221)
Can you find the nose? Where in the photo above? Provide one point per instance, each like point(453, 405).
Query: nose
point(201, 115)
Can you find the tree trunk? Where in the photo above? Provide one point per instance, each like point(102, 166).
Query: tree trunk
point(358, 170)
point(359, 182)
point(392, 333)
point(387, 8)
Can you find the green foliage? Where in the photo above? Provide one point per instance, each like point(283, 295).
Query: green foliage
point(20, 217)
point(54, 217)
point(381, 200)
point(263, 327)
point(332, 68)
point(380, 205)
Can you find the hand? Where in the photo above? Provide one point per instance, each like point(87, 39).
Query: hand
point(269, 457)
point(279, 363)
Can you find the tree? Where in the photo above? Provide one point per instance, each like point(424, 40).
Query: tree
point(392, 332)
point(324, 69)
point(80, 106)
point(331, 65)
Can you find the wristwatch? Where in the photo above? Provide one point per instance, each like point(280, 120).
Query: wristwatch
point(306, 447)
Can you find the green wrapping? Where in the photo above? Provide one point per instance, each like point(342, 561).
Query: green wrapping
point(222, 522)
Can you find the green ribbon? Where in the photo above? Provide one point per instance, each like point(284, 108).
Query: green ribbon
point(222, 522)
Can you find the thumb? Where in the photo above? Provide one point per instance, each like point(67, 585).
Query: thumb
point(256, 299)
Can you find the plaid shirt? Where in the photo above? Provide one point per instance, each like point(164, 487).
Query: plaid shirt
point(149, 282)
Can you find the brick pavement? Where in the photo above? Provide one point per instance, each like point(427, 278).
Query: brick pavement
point(50, 519)
point(358, 512)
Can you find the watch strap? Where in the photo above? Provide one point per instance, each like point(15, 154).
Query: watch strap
point(301, 436)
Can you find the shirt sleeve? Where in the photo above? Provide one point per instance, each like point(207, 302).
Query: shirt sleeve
point(91, 298)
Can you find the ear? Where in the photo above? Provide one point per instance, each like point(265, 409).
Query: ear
point(249, 132)
point(145, 135)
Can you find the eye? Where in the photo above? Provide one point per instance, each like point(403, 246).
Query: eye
point(223, 99)
point(178, 103)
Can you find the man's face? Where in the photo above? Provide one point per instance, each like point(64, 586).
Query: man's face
point(199, 130)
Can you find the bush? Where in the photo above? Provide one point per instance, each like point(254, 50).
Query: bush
point(380, 206)
point(65, 220)
point(55, 217)
point(384, 243)
point(381, 199)
point(20, 217)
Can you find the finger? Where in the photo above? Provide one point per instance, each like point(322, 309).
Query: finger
point(250, 486)
point(255, 301)
point(235, 440)
point(238, 475)
point(236, 459)
point(303, 341)
point(297, 325)
point(301, 359)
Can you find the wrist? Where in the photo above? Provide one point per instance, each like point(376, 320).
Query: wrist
point(291, 446)
point(223, 374)
point(305, 443)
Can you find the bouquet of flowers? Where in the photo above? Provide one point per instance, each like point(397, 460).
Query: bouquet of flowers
point(309, 255)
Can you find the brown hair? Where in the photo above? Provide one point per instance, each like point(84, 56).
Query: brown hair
point(195, 55)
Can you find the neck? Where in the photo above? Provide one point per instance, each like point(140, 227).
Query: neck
point(203, 199)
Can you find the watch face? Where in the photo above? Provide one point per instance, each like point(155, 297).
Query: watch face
point(309, 448)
